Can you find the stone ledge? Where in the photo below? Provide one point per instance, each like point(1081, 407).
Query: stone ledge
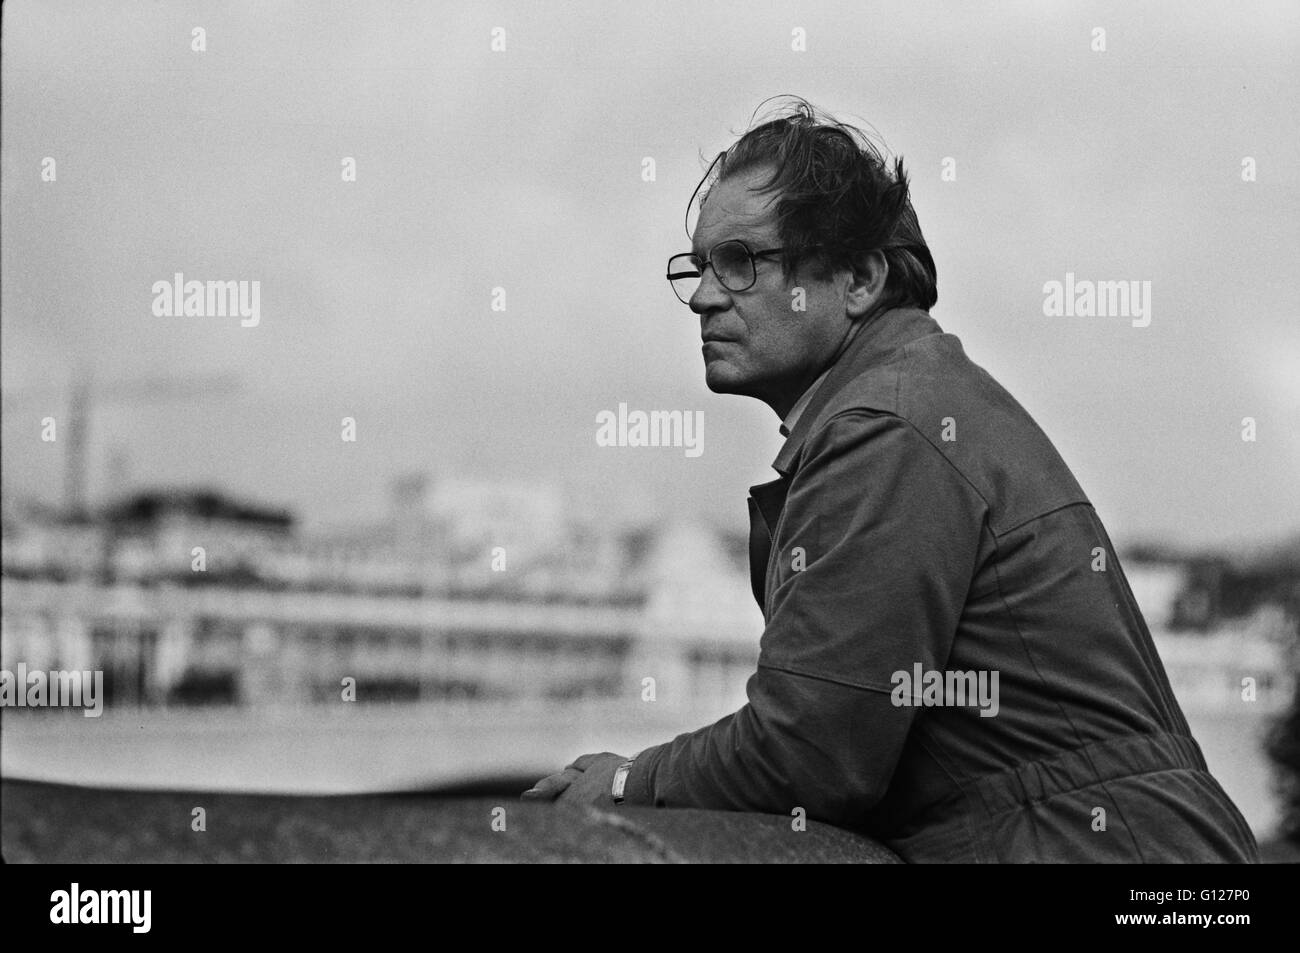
point(52, 823)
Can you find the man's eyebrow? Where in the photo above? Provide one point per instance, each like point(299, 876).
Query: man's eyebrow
point(751, 241)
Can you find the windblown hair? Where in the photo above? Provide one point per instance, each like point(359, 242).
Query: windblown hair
point(837, 200)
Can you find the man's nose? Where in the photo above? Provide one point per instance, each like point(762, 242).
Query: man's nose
point(710, 295)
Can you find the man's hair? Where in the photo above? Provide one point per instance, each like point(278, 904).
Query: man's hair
point(835, 191)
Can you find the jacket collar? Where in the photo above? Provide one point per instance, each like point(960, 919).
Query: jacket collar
point(883, 334)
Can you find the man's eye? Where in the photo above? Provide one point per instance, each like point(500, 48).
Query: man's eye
point(733, 262)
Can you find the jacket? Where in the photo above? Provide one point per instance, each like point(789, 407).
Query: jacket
point(952, 660)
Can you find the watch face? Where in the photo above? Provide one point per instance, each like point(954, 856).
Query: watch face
point(620, 781)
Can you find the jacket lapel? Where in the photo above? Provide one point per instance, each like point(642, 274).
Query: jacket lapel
point(765, 504)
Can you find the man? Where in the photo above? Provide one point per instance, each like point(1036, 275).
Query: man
point(952, 661)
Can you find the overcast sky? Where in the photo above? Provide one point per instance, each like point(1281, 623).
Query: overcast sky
point(522, 169)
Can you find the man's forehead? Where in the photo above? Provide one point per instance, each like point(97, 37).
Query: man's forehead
point(751, 229)
point(733, 209)
point(752, 237)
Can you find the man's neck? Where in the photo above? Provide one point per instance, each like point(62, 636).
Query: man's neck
point(791, 416)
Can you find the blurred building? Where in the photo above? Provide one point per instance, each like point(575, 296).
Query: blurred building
point(471, 590)
point(477, 591)
point(1216, 662)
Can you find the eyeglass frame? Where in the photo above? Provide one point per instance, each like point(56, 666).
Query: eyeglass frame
point(708, 262)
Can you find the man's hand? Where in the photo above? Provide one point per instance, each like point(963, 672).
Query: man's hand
point(589, 780)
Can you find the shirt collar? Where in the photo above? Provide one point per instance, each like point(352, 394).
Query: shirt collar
point(793, 416)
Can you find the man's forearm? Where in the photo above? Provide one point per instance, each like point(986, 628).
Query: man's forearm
point(705, 768)
point(800, 742)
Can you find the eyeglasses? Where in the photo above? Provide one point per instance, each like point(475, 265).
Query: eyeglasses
point(732, 262)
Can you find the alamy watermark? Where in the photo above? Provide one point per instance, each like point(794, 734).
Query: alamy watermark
point(132, 907)
point(656, 428)
point(1098, 299)
point(54, 689)
point(179, 298)
point(944, 689)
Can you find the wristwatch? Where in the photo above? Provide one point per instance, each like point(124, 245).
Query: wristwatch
point(620, 779)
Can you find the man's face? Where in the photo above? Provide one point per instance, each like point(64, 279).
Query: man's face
point(755, 342)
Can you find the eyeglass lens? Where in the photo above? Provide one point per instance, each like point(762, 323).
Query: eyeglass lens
point(731, 262)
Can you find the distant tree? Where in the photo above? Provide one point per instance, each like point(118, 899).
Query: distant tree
point(1283, 747)
point(1283, 744)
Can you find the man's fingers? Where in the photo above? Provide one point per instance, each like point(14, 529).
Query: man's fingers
point(547, 789)
point(550, 787)
point(583, 762)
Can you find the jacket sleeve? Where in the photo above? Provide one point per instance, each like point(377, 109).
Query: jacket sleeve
point(876, 551)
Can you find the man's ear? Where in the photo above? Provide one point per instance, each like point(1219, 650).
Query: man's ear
point(867, 284)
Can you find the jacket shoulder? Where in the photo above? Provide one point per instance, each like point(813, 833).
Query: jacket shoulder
point(973, 421)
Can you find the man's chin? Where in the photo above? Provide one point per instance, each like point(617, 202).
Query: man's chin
point(719, 379)
point(723, 376)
